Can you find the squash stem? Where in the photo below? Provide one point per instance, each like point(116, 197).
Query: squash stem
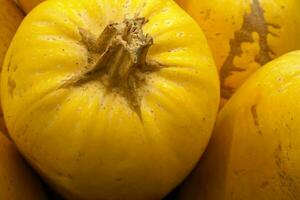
point(123, 48)
point(117, 58)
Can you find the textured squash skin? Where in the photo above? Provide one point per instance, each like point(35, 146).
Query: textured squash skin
point(254, 151)
point(86, 140)
point(16, 179)
point(28, 5)
point(244, 35)
point(10, 18)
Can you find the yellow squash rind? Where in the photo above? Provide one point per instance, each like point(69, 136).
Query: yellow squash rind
point(85, 139)
point(245, 35)
point(254, 150)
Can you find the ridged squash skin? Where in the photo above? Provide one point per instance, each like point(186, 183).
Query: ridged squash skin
point(16, 178)
point(90, 135)
point(28, 5)
point(10, 19)
point(254, 151)
point(246, 34)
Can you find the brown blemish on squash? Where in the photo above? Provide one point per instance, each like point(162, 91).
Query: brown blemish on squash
point(119, 179)
point(118, 59)
point(264, 184)
point(11, 86)
point(207, 14)
point(255, 117)
point(63, 175)
point(15, 67)
point(3, 127)
point(287, 183)
point(9, 63)
point(254, 22)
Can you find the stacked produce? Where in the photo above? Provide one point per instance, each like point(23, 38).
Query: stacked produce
point(254, 150)
point(118, 100)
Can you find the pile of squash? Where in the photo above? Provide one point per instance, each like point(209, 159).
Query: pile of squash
point(130, 99)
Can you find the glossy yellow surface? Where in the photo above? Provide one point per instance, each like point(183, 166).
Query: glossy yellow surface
point(244, 35)
point(254, 152)
point(86, 140)
point(16, 178)
point(10, 18)
point(28, 5)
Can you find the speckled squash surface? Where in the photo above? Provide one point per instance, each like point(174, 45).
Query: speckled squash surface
point(110, 99)
point(254, 151)
point(246, 34)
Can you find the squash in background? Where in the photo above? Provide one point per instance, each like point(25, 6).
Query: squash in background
point(244, 35)
point(16, 178)
point(110, 99)
point(28, 5)
point(10, 18)
point(254, 152)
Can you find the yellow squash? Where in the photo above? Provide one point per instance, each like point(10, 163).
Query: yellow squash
point(10, 18)
point(16, 179)
point(110, 99)
point(28, 5)
point(246, 34)
point(254, 152)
